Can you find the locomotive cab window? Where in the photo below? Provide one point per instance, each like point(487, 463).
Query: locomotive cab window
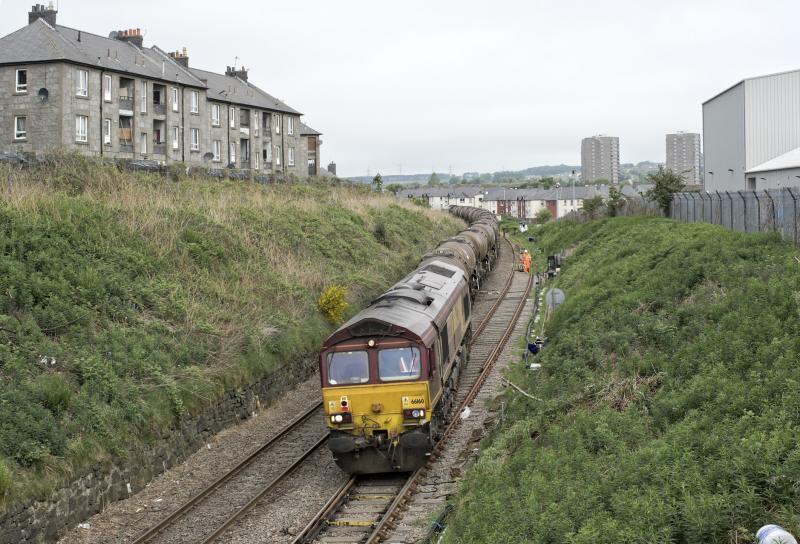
point(348, 367)
point(398, 364)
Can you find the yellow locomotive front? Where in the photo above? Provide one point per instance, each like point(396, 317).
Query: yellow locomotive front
point(377, 401)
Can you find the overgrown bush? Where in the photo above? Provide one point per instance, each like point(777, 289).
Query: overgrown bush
point(333, 303)
point(670, 402)
point(5, 479)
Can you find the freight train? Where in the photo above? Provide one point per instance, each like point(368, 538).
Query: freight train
point(390, 373)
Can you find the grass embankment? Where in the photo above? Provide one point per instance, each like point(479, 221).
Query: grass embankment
point(128, 301)
point(670, 395)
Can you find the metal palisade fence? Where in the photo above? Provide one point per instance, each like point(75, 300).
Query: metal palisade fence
point(772, 210)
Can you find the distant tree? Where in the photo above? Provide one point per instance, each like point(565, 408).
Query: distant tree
point(591, 206)
point(454, 180)
point(665, 184)
point(394, 188)
point(614, 200)
point(543, 216)
point(434, 180)
point(547, 182)
point(377, 183)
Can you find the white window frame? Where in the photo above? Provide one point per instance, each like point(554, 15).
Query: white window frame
point(232, 116)
point(255, 161)
point(82, 83)
point(277, 124)
point(195, 139)
point(20, 88)
point(195, 105)
point(269, 153)
point(175, 98)
point(82, 129)
point(107, 83)
point(290, 128)
point(143, 142)
point(216, 150)
point(232, 153)
point(216, 114)
point(255, 124)
point(277, 155)
point(143, 97)
point(20, 134)
point(107, 131)
point(176, 138)
point(290, 158)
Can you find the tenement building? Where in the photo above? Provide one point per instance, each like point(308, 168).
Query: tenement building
point(62, 88)
point(683, 156)
point(600, 159)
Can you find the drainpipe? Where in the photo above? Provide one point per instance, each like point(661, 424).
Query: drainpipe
point(228, 130)
point(102, 121)
point(283, 145)
point(183, 124)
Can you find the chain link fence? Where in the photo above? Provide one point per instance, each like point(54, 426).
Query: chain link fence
point(772, 210)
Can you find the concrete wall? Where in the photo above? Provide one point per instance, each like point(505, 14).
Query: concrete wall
point(724, 140)
point(43, 121)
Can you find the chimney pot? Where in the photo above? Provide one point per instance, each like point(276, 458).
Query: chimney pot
point(47, 14)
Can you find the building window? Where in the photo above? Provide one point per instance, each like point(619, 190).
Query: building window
point(82, 83)
point(107, 131)
point(195, 139)
point(176, 137)
point(144, 97)
point(81, 128)
point(232, 116)
point(278, 155)
point(277, 124)
point(143, 143)
point(215, 113)
point(255, 161)
point(290, 160)
point(232, 156)
point(255, 124)
point(21, 128)
point(268, 154)
point(195, 102)
point(107, 88)
point(290, 127)
point(175, 99)
point(22, 81)
point(216, 149)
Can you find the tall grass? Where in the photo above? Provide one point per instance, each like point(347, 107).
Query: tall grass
point(128, 301)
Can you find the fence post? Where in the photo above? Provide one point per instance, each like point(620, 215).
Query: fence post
point(794, 215)
point(758, 205)
point(730, 200)
point(744, 209)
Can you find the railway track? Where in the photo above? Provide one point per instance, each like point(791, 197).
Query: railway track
point(364, 508)
point(209, 513)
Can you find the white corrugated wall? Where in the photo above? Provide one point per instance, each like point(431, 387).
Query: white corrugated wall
point(772, 116)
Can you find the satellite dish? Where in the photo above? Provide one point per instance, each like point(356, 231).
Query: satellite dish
point(208, 156)
point(44, 94)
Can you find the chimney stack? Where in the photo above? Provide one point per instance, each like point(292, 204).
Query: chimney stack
point(132, 35)
point(241, 73)
point(181, 57)
point(48, 14)
point(332, 168)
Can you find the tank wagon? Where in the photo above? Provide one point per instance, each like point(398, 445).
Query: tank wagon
point(389, 374)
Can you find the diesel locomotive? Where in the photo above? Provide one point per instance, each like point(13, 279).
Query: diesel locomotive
point(390, 373)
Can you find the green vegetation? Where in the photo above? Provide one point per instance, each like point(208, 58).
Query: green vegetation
point(128, 301)
point(434, 180)
point(543, 216)
point(665, 184)
point(377, 183)
point(333, 303)
point(670, 402)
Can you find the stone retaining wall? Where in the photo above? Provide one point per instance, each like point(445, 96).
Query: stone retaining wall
point(38, 521)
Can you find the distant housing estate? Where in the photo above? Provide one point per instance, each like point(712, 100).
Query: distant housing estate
point(517, 203)
point(62, 88)
point(751, 134)
point(600, 159)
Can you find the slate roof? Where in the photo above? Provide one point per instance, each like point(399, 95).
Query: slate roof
point(40, 42)
point(235, 90)
point(306, 130)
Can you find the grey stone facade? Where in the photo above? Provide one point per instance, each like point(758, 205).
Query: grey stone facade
point(138, 103)
point(600, 159)
point(683, 155)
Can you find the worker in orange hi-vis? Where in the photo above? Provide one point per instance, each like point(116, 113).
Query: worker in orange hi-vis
point(526, 261)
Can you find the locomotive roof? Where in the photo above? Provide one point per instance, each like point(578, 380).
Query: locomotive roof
point(418, 304)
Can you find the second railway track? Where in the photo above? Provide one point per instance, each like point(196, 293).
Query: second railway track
point(363, 509)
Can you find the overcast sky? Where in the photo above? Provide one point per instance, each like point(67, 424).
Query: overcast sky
point(469, 85)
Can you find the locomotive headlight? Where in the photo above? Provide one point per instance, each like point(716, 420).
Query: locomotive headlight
point(415, 414)
point(338, 418)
